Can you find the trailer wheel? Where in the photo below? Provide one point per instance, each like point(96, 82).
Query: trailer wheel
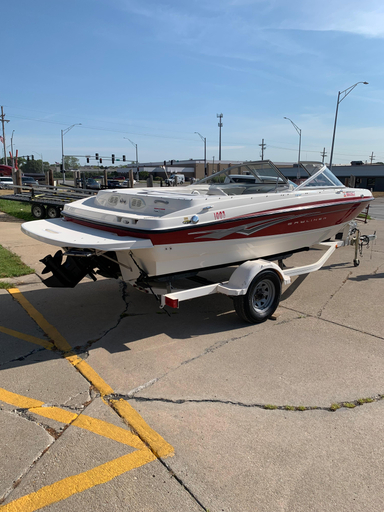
point(53, 212)
point(261, 299)
point(38, 211)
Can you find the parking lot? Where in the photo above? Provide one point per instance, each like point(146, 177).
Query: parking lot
point(109, 403)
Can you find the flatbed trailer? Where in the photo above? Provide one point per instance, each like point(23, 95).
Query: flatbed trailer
point(45, 200)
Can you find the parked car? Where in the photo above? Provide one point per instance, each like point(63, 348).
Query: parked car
point(5, 182)
point(115, 184)
point(92, 183)
point(175, 179)
point(28, 181)
point(119, 183)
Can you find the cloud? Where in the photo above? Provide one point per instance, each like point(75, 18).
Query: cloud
point(352, 16)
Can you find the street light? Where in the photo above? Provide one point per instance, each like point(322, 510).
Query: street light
point(204, 139)
point(137, 154)
point(63, 132)
point(13, 158)
point(299, 132)
point(345, 92)
point(220, 125)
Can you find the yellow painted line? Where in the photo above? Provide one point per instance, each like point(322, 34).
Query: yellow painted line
point(20, 401)
point(74, 484)
point(93, 377)
point(60, 342)
point(104, 429)
point(55, 413)
point(157, 444)
point(27, 337)
point(99, 427)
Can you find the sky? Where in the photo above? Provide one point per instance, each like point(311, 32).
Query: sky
point(154, 72)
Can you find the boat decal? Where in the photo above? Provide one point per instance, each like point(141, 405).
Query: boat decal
point(249, 229)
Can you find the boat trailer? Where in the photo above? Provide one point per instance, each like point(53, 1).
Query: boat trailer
point(255, 286)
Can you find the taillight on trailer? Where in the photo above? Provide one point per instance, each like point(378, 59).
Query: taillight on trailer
point(172, 303)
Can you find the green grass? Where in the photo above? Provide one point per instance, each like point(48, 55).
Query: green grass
point(16, 209)
point(11, 265)
point(6, 286)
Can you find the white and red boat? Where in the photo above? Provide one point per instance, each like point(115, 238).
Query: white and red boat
point(245, 212)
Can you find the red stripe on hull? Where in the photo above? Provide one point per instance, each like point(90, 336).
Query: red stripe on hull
point(266, 223)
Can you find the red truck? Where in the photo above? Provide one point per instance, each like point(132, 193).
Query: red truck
point(5, 170)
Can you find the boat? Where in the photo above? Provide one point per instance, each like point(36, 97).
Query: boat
point(245, 212)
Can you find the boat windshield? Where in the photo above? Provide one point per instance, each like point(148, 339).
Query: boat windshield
point(319, 176)
point(247, 178)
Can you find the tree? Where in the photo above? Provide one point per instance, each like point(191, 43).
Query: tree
point(71, 163)
point(31, 166)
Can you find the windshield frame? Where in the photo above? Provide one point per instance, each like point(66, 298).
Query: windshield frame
point(312, 177)
point(277, 178)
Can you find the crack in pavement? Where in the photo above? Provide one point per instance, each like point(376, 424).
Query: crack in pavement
point(351, 404)
point(54, 435)
point(23, 357)
point(18, 480)
point(150, 383)
point(320, 312)
point(309, 315)
point(84, 349)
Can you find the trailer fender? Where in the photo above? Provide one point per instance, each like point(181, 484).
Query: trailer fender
point(242, 277)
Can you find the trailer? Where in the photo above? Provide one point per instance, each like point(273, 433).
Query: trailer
point(255, 286)
point(45, 200)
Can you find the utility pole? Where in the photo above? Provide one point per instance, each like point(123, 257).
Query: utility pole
point(323, 154)
point(372, 158)
point(263, 146)
point(3, 120)
point(220, 125)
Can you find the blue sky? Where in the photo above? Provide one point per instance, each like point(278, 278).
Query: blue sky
point(156, 72)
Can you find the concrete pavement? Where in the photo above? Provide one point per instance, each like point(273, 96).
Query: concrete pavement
point(286, 415)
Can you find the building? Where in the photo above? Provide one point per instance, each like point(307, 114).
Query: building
point(357, 174)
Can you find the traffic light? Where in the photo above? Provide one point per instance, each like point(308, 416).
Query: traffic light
point(97, 156)
point(123, 158)
point(27, 158)
point(165, 163)
point(113, 159)
point(33, 157)
point(101, 160)
point(171, 162)
point(87, 160)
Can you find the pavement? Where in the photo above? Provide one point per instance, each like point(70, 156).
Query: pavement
point(108, 403)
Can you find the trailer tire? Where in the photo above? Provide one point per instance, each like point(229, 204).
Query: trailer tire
point(38, 211)
point(261, 299)
point(53, 212)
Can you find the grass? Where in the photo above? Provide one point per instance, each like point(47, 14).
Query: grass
point(16, 209)
point(6, 286)
point(11, 265)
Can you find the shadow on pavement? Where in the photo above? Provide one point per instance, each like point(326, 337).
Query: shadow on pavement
point(107, 314)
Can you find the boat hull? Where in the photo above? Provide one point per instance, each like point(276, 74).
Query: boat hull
point(168, 259)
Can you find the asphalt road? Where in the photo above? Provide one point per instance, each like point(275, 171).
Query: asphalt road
point(376, 210)
point(109, 404)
